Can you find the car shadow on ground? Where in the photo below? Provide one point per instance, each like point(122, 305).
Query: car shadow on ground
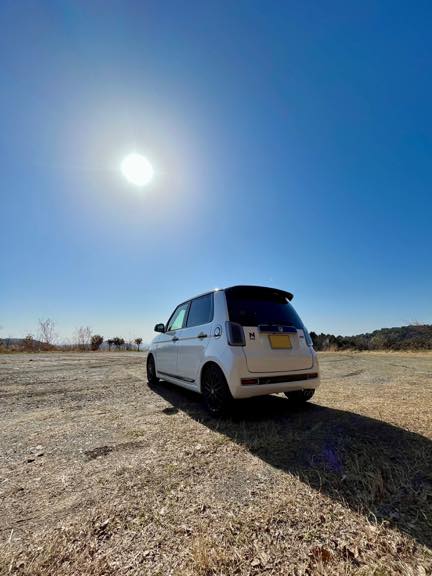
point(375, 468)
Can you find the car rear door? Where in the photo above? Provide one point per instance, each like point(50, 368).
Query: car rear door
point(275, 337)
point(194, 338)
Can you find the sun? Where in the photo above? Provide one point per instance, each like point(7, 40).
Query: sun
point(137, 169)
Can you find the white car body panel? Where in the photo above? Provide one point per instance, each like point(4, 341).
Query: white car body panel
point(191, 350)
point(260, 357)
point(167, 354)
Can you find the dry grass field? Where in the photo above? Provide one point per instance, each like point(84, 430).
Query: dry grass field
point(99, 474)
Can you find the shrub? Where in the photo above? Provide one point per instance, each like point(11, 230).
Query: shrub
point(96, 341)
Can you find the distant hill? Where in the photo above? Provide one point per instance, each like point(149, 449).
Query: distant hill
point(412, 337)
point(11, 341)
point(18, 343)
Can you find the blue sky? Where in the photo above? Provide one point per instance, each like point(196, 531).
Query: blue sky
point(291, 142)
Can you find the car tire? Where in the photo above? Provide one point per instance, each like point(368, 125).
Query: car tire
point(216, 394)
point(299, 397)
point(152, 379)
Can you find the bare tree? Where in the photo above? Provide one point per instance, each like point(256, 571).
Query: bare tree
point(47, 333)
point(138, 342)
point(83, 337)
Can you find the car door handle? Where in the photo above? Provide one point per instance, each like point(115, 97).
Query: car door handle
point(174, 338)
point(202, 335)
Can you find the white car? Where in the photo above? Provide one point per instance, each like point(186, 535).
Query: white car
point(234, 343)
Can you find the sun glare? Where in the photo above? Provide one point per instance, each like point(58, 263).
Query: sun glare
point(137, 169)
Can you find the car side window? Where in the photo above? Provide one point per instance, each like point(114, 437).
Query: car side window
point(201, 311)
point(177, 319)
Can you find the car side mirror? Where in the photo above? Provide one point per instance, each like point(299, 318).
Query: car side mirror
point(159, 328)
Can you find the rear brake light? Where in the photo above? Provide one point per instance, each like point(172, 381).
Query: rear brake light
point(235, 334)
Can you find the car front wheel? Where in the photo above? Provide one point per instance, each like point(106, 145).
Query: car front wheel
point(151, 371)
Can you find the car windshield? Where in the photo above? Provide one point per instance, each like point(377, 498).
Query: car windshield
point(250, 306)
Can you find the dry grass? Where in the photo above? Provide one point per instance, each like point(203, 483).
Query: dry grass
point(101, 475)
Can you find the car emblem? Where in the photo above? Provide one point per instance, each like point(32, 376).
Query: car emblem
point(280, 328)
point(251, 335)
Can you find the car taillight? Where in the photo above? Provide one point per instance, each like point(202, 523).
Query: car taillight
point(235, 334)
point(307, 337)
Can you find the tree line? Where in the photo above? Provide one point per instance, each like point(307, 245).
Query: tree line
point(412, 337)
point(83, 339)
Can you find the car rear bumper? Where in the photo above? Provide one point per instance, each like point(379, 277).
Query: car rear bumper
point(245, 384)
point(261, 389)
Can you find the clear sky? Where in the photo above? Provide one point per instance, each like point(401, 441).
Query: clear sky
point(291, 143)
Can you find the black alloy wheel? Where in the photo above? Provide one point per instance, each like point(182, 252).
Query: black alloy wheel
point(216, 394)
point(151, 371)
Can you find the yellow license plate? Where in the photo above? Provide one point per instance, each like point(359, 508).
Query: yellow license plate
point(280, 341)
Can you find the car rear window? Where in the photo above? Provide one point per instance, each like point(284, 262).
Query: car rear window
point(251, 306)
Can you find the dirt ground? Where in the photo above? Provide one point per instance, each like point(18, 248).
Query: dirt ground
point(99, 474)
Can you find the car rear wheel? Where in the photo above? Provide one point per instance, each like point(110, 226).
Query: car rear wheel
point(299, 396)
point(151, 371)
point(216, 394)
